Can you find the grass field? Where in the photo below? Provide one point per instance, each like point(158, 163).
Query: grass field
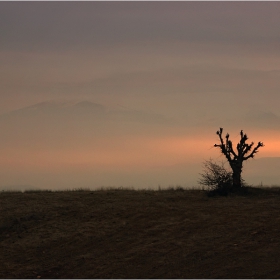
point(139, 234)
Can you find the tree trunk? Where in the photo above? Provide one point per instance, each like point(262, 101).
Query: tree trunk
point(236, 166)
point(236, 178)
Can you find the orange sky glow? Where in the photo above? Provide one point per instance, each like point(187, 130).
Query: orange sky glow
point(132, 93)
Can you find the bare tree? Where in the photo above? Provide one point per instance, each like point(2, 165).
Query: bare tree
point(235, 159)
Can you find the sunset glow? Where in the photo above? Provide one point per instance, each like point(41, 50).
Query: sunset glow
point(132, 93)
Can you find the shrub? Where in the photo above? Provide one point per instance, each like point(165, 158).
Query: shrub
point(217, 178)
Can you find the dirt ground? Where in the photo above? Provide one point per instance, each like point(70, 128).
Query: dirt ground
point(139, 234)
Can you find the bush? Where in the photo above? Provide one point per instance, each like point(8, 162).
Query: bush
point(217, 178)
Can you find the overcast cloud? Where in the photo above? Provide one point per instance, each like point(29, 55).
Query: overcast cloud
point(171, 73)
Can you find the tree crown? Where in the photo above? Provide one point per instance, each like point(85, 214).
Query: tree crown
point(244, 150)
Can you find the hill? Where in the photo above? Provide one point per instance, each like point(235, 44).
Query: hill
point(139, 234)
point(58, 112)
point(263, 170)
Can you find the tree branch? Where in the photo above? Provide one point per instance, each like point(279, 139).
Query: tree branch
point(260, 144)
point(242, 147)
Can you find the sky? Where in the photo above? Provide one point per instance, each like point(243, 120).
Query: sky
point(131, 94)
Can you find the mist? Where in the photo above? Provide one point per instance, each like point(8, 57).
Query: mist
point(131, 94)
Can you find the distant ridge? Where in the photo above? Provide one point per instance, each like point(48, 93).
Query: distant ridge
point(82, 110)
point(263, 170)
point(54, 106)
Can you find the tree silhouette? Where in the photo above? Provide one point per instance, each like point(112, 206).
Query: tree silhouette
point(235, 159)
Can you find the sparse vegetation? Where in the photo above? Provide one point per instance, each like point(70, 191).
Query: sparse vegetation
point(174, 233)
point(216, 178)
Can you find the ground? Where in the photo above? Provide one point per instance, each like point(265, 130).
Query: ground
point(139, 234)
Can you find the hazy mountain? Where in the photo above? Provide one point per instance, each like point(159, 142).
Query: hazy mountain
point(57, 124)
point(69, 144)
point(262, 171)
point(262, 119)
point(81, 111)
point(55, 109)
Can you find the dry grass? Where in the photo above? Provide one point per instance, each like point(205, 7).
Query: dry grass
point(139, 234)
